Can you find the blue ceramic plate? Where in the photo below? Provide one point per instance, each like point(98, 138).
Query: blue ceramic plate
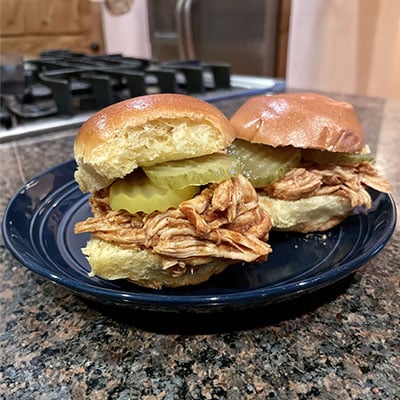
point(38, 229)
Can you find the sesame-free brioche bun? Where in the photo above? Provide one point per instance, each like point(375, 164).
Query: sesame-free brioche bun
point(144, 131)
point(311, 214)
point(302, 120)
point(143, 267)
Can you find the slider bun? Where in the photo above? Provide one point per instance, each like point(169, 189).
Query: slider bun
point(317, 213)
point(143, 267)
point(143, 131)
point(303, 120)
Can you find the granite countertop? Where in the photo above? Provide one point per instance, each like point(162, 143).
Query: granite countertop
point(342, 342)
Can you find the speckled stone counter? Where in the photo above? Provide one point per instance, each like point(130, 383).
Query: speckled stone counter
point(342, 342)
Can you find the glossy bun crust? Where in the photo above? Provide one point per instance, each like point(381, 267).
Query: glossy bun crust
point(303, 120)
point(143, 131)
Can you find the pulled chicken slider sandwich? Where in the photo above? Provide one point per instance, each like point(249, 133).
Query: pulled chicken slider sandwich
point(169, 208)
point(306, 155)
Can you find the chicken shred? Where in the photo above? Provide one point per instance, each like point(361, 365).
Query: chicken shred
point(350, 181)
point(223, 221)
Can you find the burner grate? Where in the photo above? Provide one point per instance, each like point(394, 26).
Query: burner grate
point(111, 78)
point(65, 86)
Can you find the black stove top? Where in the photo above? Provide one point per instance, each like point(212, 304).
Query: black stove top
point(64, 88)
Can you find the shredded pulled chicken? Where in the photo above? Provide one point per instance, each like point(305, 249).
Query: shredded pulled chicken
point(223, 221)
point(350, 181)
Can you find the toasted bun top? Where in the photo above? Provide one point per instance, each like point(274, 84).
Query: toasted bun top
point(304, 120)
point(146, 130)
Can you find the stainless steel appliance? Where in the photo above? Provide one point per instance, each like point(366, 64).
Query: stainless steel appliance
point(240, 32)
point(62, 88)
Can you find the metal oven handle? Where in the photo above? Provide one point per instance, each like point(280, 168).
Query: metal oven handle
point(180, 29)
point(187, 18)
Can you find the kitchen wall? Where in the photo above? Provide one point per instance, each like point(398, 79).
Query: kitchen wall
point(127, 33)
point(349, 46)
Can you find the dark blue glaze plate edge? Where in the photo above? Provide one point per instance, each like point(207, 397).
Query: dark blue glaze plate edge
point(35, 218)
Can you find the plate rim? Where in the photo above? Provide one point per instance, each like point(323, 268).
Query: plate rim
point(155, 299)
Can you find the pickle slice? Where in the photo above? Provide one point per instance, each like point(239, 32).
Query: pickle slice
point(262, 164)
point(328, 157)
point(136, 193)
point(194, 171)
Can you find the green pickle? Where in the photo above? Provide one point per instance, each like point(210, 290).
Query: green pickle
point(328, 157)
point(135, 193)
point(197, 171)
point(262, 164)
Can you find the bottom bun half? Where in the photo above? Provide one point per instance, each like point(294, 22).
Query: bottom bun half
point(143, 267)
point(318, 213)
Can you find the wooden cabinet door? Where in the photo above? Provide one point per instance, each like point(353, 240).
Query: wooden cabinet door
point(31, 26)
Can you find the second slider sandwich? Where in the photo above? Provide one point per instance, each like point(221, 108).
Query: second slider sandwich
point(169, 208)
point(306, 155)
